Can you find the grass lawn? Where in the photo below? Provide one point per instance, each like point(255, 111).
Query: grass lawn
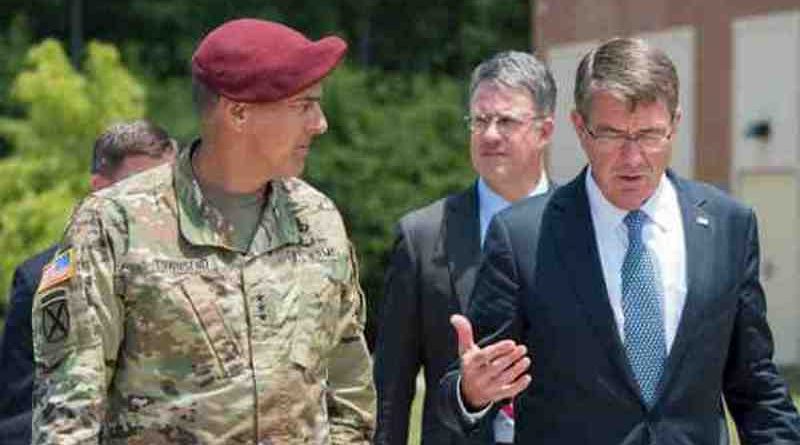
point(416, 412)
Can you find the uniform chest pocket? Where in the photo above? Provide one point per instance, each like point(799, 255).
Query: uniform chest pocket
point(216, 322)
point(300, 310)
point(179, 328)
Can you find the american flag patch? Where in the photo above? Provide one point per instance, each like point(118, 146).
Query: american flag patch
point(60, 269)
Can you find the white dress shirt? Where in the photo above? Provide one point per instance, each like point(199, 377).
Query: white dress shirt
point(663, 237)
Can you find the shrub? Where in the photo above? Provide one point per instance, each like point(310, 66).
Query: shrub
point(48, 169)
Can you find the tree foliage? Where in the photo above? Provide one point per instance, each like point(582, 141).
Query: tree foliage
point(47, 170)
point(410, 36)
point(13, 45)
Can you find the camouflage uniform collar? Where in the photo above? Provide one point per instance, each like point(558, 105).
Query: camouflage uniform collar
point(202, 224)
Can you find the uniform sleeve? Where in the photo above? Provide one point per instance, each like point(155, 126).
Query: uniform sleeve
point(398, 351)
point(351, 395)
point(77, 329)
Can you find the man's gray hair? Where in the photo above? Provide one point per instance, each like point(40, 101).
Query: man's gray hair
point(629, 69)
point(128, 138)
point(517, 69)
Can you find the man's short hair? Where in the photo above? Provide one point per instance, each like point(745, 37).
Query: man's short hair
point(517, 69)
point(127, 138)
point(629, 69)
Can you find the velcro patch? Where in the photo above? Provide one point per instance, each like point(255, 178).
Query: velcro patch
point(55, 317)
point(60, 269)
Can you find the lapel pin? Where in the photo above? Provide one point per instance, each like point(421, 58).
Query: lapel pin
point(702, 220)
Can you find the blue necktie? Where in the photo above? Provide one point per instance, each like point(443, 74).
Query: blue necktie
point(642, 293)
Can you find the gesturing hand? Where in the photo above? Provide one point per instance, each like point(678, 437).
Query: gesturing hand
point(494, 372)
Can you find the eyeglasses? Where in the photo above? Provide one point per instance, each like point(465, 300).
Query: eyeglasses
point(505, 124)
point(652, 141)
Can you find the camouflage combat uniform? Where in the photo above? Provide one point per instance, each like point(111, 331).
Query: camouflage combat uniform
point(150, 327)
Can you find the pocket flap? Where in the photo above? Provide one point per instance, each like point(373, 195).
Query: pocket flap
point(200, 295)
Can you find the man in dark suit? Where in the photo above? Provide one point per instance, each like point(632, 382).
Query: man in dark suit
point(636, 292)
point(16, 351)
point(122, 150)
point(437, 248)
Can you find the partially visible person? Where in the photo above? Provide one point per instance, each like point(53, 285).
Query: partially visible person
point(215, 300)
point(127, 148)
point(437, 248)
point(636, 291)
point(120, 151)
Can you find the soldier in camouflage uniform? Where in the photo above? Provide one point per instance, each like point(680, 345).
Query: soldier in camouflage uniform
point(215, 301)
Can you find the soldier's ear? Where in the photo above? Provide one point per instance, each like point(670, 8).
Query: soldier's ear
point(235, 113)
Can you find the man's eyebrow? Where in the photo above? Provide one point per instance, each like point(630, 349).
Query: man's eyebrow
point(602, 127)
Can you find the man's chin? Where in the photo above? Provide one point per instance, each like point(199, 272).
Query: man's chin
point(629, 199)
point(496, 172)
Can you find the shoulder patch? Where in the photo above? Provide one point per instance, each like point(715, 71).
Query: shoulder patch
point(60, 269)
point(55, 323)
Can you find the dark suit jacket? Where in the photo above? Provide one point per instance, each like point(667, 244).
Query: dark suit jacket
point(430, 276)
point(542, 273)
point(16, 352)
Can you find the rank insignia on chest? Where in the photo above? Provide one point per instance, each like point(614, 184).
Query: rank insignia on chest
point(60, 269)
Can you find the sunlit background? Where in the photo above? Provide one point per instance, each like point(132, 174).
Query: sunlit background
point(396, 140)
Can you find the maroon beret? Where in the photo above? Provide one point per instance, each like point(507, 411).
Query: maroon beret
point(251, 60)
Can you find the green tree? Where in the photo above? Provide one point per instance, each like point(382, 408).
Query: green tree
point(410, 36)
point(47, 171)
point(13, 45)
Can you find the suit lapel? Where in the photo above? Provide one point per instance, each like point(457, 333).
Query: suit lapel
point(578, 249)
point(461, 242)
point(698, 227)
